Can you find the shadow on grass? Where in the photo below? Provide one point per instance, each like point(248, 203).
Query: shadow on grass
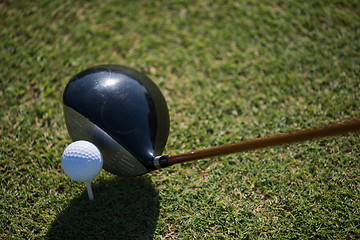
point(124, 208)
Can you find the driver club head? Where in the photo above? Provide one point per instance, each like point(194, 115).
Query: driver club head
point(123, 113)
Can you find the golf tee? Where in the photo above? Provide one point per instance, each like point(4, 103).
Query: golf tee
point(89, 189)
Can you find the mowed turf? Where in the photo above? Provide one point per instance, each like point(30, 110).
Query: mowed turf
point(230, 71)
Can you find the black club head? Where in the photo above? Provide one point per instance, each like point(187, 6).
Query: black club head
point(122, 112)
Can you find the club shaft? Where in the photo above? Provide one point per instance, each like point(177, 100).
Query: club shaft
point(281, 139)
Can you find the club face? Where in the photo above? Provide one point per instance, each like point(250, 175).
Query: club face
point(122, 112)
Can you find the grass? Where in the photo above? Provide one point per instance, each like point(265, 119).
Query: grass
point(230, 71)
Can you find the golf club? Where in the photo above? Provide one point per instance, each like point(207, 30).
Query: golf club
point(125, 115)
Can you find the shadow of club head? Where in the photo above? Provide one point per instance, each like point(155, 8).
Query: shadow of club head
point(123, 208)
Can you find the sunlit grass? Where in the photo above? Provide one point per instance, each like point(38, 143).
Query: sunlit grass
point(230, 71)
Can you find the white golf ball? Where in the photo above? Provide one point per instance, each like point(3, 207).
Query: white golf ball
point(82, 161)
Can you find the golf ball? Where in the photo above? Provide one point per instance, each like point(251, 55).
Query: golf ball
point(82, 161)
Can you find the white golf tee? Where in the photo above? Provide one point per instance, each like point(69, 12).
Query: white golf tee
point(89, 189)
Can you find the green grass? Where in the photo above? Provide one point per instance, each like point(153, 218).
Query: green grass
point(230, 71)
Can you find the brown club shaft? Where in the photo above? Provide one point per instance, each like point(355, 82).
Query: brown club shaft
point(281, 139)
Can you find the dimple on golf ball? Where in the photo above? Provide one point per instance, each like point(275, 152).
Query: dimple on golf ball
point(82, 161)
